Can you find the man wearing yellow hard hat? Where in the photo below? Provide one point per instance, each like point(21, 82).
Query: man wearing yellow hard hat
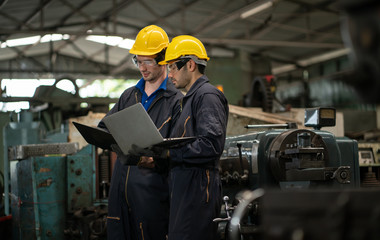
point(194, 181)
point(138, 203)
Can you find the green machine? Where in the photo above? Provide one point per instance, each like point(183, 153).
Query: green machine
point(283, 160)
point(50, 188)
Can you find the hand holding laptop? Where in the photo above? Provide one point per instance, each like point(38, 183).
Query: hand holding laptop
point(133, 126)
point(154, 151)
point(125, 159)
point(143, 157)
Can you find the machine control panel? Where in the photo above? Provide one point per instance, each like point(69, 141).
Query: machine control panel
point(320, 117)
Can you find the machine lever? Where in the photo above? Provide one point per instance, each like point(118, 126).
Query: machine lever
point(240, 158)
point(228, 208)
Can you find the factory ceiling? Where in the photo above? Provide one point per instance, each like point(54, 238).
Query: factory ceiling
point(290, 33)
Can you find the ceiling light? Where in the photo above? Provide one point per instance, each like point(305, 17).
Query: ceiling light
point(33, 40)
point(258, 8)
point(313, 60)
point(112, 41)
point(109, 40)
point(51, 37)
point(324, 57)
point(127, 43)
point(23, 41)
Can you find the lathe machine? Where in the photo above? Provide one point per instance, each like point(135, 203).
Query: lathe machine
point(270, 164)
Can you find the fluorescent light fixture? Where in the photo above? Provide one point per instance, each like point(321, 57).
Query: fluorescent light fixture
point(284, 68)
point(109, 40)
point(112, 41)
point(54, 37)
point(257, 9)
point(324, 57)
point(127, 43)
point(34, 39)
point(312, 60)
point(22, 41)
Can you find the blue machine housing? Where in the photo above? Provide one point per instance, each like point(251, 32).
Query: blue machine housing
point(50, 188)
point(38, 197)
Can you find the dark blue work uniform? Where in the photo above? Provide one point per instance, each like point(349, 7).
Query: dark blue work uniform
point(194, 181)
point(138, 202)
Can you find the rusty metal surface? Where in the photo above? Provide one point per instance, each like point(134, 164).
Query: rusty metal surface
point(20, 152)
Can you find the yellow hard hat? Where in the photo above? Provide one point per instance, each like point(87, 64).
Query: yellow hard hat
point(150, 41)
point(182, 46)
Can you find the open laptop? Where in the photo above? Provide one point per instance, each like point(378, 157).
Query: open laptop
point(95, 136)
point(133, 125)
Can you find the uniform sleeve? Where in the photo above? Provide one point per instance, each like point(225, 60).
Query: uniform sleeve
point(115, 108)
point(211, 116)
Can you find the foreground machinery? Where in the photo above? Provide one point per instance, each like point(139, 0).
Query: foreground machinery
point(295, 181)
point(278, 184)
point(53, 189)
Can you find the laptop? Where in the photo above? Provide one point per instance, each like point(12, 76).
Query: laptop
point(133, 125)
point(95, 136)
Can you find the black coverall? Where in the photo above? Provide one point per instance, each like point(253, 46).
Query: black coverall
point(194, 181)
point(138, 203)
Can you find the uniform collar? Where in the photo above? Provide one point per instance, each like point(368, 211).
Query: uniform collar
point(141, 85)
point(197, 84)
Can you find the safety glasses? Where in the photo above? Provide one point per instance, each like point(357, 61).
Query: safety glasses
point(138, 63)
point(176, 66)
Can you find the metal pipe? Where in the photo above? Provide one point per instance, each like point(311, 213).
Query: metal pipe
point(241, 209)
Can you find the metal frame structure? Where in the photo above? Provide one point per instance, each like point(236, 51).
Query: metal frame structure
point(288, 33)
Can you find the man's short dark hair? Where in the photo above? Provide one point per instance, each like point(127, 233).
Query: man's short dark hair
point(161, 56)
point(201, 68)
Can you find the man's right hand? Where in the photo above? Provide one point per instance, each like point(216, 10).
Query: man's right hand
point(125, 159)
point(138, 151)
point(146, 162)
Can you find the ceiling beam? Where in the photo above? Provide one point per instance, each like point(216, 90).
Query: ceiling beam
point(35, 61)
point(312, 60)
point(126, 63)
point(15, 20)
point(319, 6)
point(106, 15)
point(71, 33)
point(210, 18)
point(169, 14)
point(235, 15)
point(68, 16)
point(270, 43)
point(159, 18)
point(72, 13)
point(35, 13)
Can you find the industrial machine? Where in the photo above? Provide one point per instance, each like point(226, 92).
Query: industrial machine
point(55, 190)
point(262, 94)
point(282, 160)
point(271, 179)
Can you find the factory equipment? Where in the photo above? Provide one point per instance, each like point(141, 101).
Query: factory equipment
point(284, 160)
point(315, 214)
point(262, 94)
point(55, 190)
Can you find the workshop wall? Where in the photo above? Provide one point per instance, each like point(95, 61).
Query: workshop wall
point(4, 120)
point(232, 74)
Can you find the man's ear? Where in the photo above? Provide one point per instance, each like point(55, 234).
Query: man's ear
point(192, 65)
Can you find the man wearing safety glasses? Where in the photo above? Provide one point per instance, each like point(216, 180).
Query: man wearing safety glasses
point(138, 203)
point(194, 181)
